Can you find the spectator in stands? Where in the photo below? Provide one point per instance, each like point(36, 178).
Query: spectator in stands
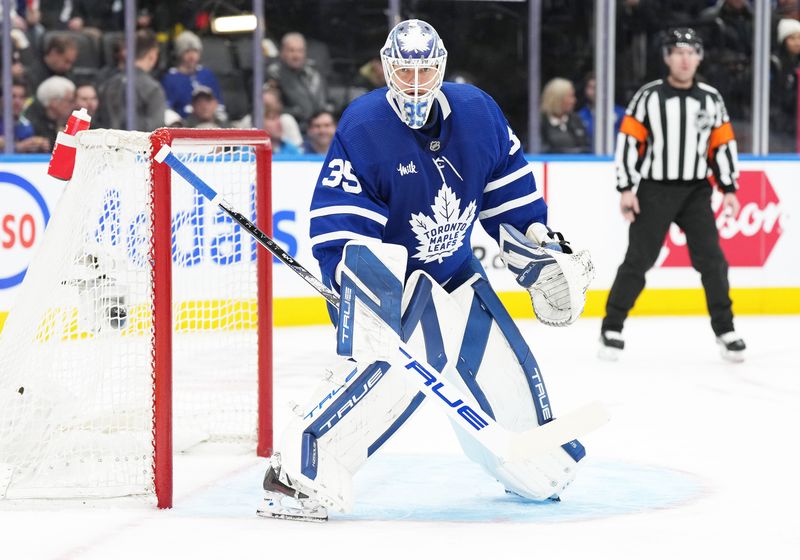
point(782, 9)
point(56, 15)
point(736, 17)
point(117, 62)
point(304, 89)
point(370, 75)
point(586, 113)
point(783, 87)
point(274, 127)
point(93, 17)
point(181, 80)
point(21, 38)
point(273, 105)
point(59, 58)
point(23, 55)
point(54, 103)
point(727, 62)
point(787, 9)
point(25, 140)
point(204, 110)
point(86, 97)
point(562, 129)
point(319, 133)
point(150, 104)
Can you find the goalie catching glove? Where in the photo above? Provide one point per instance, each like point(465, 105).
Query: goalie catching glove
point(544, 264)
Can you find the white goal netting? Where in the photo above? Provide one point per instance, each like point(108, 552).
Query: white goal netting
point(76, 352)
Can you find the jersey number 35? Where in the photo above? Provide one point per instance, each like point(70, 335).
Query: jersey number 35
point(342, 174)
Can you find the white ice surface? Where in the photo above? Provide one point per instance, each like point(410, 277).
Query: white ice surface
point(699, 461)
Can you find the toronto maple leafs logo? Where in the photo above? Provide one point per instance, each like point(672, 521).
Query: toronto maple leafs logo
point(443, 233)
point(415, 40)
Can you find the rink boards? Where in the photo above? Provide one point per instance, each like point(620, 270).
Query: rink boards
point(760, 244)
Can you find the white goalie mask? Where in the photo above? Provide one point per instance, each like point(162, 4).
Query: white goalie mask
point(413, 59)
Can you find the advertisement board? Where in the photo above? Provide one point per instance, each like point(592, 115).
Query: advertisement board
point(760, 243)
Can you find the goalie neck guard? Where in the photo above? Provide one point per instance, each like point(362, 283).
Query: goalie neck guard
point(413, 60)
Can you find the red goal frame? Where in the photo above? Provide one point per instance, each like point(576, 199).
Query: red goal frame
point(161, 256)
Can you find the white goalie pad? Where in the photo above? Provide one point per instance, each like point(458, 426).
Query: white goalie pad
point(6, 471)
point(371, 277)
point(357, 407)
point(556, 280)
point(328, 439)
point(514, 392)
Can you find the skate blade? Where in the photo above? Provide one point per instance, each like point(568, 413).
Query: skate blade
point(609, 354)
point(291, 516)
point(732, 356)
point(276, 510)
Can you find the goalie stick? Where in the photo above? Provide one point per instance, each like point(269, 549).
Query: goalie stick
point(502, 443)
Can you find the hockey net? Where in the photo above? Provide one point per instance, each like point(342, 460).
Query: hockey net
point(141, 295)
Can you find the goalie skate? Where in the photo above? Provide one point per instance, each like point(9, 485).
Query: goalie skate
point(284, 501)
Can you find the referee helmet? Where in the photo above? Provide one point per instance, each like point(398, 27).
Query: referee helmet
point(682, 37)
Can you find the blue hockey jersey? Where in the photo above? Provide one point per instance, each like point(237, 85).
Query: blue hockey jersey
point(384, 180)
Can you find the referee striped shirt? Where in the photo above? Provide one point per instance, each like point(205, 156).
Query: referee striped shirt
point(676, 135)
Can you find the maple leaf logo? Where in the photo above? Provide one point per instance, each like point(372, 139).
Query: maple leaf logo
point(416, 40)
point(442, 234)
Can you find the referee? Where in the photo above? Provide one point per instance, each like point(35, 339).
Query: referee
point(674, 132)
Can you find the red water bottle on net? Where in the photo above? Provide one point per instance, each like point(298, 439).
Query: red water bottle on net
point(62, 162)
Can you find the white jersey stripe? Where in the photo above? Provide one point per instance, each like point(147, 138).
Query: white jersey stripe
point(622, 170)
point(672, 108)
point(336, 235)
point(510, 205)
point(722, 162)
point(515, 142)
point(654, 112)
point(355, 210)
point(510, 178)
point(690, 149)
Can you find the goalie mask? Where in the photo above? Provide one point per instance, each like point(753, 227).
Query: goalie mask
point(413, 59)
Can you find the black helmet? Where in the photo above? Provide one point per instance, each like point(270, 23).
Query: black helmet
point(682, 37)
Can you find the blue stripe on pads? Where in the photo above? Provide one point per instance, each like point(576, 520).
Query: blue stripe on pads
point(421, 309)
point(505, 323)
point(473, 346)
point(309, 456)
point(415, 402)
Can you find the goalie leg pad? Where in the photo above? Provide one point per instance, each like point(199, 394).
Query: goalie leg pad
point(331, 437)
point(357, 408)
point(498, 368)
point(371, 279)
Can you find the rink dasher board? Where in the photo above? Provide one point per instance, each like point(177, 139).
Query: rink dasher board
point(582, 203)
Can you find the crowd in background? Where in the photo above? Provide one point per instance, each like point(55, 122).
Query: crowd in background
point(322, 55)
point(727, 30)
point(71, 54)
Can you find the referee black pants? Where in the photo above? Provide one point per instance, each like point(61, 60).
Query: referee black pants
point(689, 206)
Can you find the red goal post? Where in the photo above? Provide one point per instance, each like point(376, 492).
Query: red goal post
point(162, 296)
